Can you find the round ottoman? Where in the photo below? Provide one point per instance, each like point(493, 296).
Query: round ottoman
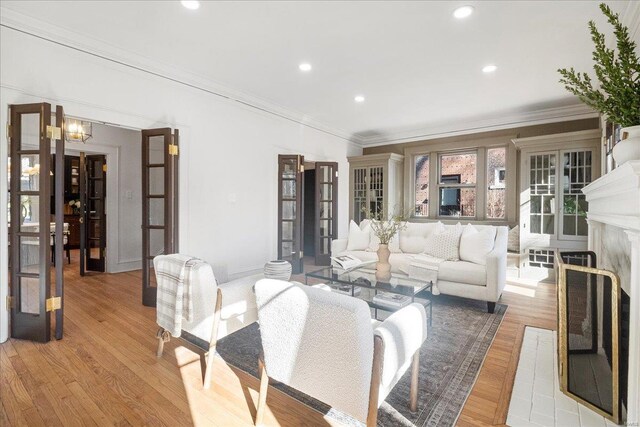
point(279, 269)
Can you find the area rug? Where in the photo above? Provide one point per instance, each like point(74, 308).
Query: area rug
point(450, 360)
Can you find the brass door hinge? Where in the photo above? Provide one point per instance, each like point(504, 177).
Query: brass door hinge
point(301, 167)
point(8, 130)
point(54, 303)
point(54, 132)
point(336, 174)
point(10, 302)
point(173, 150)
point(104, 168)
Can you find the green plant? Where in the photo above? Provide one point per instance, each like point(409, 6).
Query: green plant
point(385, 229)
point(572, 206)
point(618, 75)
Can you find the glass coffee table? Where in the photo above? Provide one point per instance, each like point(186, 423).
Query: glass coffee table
point(388, 294)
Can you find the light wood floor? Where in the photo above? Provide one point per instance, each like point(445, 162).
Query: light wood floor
point(104, 371)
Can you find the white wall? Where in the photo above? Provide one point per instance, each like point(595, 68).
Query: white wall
point(228, 158)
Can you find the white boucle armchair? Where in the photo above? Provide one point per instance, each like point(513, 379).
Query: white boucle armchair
point(325, 344)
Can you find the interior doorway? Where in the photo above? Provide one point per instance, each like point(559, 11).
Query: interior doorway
point(54, 176)
point(307, 211)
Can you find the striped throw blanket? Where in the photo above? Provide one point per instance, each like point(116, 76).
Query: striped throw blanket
point(174, 298)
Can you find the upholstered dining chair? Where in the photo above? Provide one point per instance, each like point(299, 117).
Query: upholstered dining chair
point(326, 345)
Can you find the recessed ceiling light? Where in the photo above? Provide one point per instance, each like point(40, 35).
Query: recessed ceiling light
point(463, 12)
point(359, 98)
point(305, 66)
point(489, 68)
point(193, 5)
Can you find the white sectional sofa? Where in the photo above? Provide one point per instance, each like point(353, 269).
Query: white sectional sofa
point(476, 280)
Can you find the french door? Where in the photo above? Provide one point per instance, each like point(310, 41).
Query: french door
point(93, 228)
point(32, 236)
point(326, 207)
point(159, 203)
point(290, 215)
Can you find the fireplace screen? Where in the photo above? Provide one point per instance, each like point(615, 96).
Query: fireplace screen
point(588, 333)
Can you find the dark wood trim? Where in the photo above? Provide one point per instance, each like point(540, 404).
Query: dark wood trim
point(325, 258)
point(82, 170)
point(175, 223)
point(298, 224)
point(93, 162)
point(59, 218)
point(27, 325)
point(170, 196)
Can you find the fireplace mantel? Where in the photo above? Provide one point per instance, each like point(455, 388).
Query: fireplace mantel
point(614, 235)
point(614, 198)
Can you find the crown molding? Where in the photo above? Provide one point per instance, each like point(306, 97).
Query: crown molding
point(467, 127)
point(95, 47)
point(100, 49)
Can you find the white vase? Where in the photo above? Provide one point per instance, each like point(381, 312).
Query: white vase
point(629, 147)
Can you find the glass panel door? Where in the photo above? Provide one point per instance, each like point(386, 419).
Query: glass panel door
point(326, 210)
point(159, 203)
point(30, 136)
point(376, 191)
point(576, 174)
point(94, 214)
point(542, 193)
point(359, 194)
point(290, 226)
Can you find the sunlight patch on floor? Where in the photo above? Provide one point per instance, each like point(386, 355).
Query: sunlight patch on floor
point(520, 290)
point(191, 374)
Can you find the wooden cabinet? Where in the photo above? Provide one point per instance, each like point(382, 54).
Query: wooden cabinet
point(74, 230)
point(375, 183)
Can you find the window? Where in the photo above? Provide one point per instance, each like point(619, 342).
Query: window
point(457, 185)
point(576, 173)
point(467, 184)
point(496, 175)
point(422, 186)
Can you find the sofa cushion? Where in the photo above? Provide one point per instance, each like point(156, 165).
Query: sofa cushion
point(476, 244)
point(463, 272)
point(358, 238)
point(413, 238)
point(445, 243)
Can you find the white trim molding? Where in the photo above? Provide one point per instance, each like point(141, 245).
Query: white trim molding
point(468, 127)
point(614, 200)
point(92, 46)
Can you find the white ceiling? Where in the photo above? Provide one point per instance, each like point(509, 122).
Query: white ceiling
point(418, 67)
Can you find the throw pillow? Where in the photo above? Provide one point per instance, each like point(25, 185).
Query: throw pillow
point(358, 239)
point(374, 242)
point(445, 243)
point(513, 243)
point(476, 244)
